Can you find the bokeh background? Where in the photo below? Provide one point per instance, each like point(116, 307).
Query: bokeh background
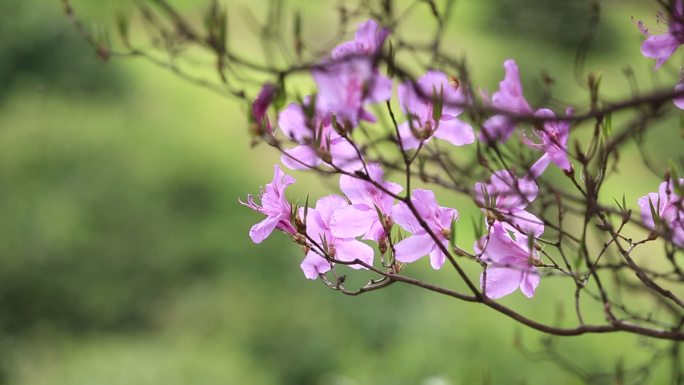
point(124, 255)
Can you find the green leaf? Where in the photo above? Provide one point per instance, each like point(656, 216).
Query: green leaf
point(437, 103)
point(654, 212)
point(607, 126)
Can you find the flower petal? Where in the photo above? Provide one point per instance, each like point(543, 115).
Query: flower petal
point(500, 281)
point(413, 248)
point(679, 102)
point(403, 216)
point(313, 265)
point(263, 229)
point(327, 206)
point(530, 281)
point(660, 47)
point(455, 132)
point(350, 249)
point(408, 140)
point(300, 157)
point(292, 122)
point(437, 258)
point(353, 221)
point(525, 222)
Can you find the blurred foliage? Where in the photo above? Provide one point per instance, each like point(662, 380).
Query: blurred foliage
point(557, 22)
point(39, 49)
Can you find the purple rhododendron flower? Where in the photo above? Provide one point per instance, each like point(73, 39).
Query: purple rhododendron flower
point(511, 263)
point(510, 98)
point(679, 102)
point(368, 41)
point(260, 106)
point(344, 87)
point(553, 139)
point(420, 243)
point(345, 249)
point(317, 141)
point(361, 217)
point(509, 195)
point(662, 46)
point(274, 205)
point(669, 208)
point(419, 107)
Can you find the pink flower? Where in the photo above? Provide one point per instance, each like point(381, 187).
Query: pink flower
point(345, 87)
point(345, 249)
point(420, 244)
point(511, 264)
point(679, 102)
point(508, 195)
point(260, 106)
point(274, 205)
point(553, 139)
point(361, 217)
point(368, 41)
point(420, 110)
point(317, 141)
point(669, 208)
point(662, 46)
point(509, 98)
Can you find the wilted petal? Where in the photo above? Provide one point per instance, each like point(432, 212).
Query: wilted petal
point(261, 104)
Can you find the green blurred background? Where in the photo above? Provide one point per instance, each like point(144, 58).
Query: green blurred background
point(124, 255)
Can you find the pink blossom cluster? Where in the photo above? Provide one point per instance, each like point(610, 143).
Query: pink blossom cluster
point(664, 210)
point(349, 228)
point(663, 45)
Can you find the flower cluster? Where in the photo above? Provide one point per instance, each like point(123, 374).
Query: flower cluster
point(663, 45)
point(349, 228)
point(664, 211)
